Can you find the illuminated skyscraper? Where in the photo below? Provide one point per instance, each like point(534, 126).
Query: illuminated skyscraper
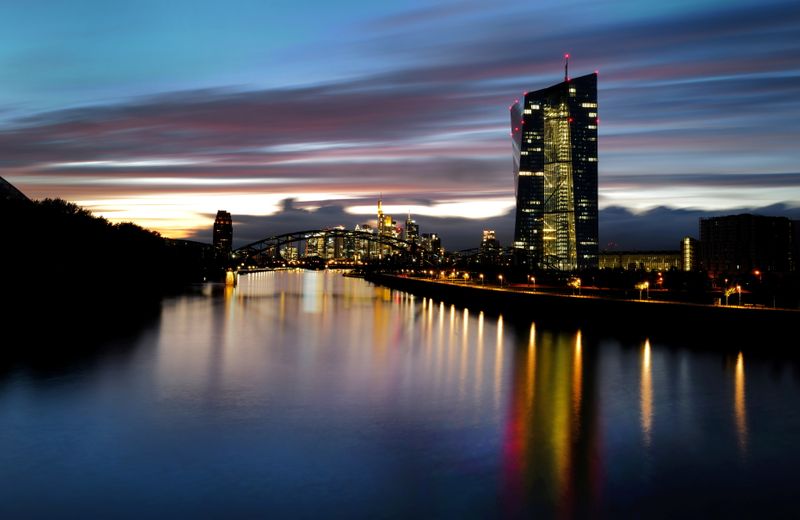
point(412, 229)
point(223, 233)
point(554, 134)
point(386, 227)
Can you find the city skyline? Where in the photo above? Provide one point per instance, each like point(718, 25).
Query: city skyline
point(164, 114)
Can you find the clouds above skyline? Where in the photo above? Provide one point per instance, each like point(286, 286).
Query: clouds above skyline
point(697, 104)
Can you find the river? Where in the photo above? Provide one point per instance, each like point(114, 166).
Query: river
point(310, 394)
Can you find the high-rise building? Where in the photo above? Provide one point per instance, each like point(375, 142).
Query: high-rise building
point(489, 251)
point(690, 252)
point(364, 249)
point(223, 233)
point(554, 134)
point(412, 229)
point(432, 243)
point(386, 228)
point(736, 244)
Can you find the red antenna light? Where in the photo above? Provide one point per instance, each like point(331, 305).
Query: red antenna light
point(566, 67)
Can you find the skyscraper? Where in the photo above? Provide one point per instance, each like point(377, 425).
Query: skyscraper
point(554, 134)
point(736, 244)
point(386, 227)
point(412, 229)
point(223, 233)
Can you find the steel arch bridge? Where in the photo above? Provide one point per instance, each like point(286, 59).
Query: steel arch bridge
point(272, 244)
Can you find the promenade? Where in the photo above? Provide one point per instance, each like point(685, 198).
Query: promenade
point(762, 327)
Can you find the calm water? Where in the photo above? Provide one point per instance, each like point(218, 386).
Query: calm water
point(313, 395)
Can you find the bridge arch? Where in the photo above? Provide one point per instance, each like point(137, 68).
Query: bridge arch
point(271, 245)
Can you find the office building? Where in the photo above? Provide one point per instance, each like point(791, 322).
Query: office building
point(412, 230)
point(489, 252)
point(690, 254)
point(640, 260)
point(223, 233)
point(386, 228)
point(746, 243)
point(554, 134)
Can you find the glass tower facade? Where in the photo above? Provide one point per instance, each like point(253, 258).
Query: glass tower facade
point(554, 134)
point(223, 233)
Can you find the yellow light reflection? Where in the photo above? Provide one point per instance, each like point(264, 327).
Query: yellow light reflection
point(462, 372)
point(646, 394)
point(739, 407)
point(577, 381)
point(479, 362)
point(451, 349)
point(531, 365)
point(498, 363)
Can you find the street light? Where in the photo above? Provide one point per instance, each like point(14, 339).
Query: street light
point(643, 286)
point(500, 277)
point(728, 292)
point(739, 290)
point(481, 277)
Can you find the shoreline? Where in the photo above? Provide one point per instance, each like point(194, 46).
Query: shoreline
point(649, 317)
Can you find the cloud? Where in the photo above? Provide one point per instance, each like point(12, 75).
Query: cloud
point(659, 228)
point(693, 104)
point(662, 228)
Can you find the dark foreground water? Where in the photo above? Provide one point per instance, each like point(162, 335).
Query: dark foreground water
point(315, 395)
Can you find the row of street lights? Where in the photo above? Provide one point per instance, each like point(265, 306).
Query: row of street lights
point(501, 280)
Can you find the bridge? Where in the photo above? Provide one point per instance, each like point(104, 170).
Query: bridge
point(334, 243)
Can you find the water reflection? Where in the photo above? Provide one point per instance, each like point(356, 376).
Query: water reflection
point(646, 394)
point(551, 452)
point(323, 393)
point(740, 413)
point(498, 364)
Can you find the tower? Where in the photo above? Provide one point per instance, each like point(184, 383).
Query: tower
point(554, 135)
point(412, 229)
point(385, 228)
point(223, 233)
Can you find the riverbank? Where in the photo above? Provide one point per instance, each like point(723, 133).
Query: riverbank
point(652, 318)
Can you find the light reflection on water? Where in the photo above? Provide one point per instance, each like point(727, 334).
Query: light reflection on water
point(302, 393)
point(646, 393)
point(739, 404)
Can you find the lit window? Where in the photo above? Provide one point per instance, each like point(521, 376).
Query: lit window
point(535, 107)
point(592, 114)
point(589, 105)
point(591, 127)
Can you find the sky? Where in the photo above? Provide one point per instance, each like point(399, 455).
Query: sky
point(287, 113)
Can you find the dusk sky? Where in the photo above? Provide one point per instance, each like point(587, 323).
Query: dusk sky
point(292, 115)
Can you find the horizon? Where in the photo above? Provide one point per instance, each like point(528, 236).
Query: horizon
point(162, 115)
